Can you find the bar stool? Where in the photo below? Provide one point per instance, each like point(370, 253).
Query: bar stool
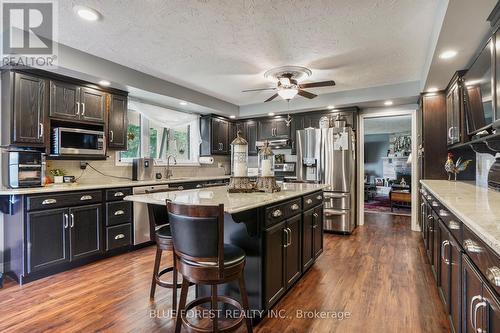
point(159, 230)
point(203, 258)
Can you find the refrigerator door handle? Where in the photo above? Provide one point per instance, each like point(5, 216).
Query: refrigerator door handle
point(332, 212)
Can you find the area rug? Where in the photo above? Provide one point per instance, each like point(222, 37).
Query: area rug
point(382, 204)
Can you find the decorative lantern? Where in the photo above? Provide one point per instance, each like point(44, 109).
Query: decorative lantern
point(239, 166)
point(266, 181)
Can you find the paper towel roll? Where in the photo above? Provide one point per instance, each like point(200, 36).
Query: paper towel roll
point(206, 160)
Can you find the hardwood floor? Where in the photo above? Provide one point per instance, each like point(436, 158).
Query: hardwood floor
point(379, 275)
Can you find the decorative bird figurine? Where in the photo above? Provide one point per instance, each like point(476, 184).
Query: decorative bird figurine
point(455, 168)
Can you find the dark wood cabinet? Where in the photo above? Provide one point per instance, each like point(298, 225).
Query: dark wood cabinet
point(64, 100)
point(307, 239)
point(317, 233)
point(275, 282)
point(491, 314)
point(472, 294)
point(85, 229)
point(29, 105)
point(47, 241)
point(293, 252)
point(248, 129)
point(444, 265)
point(93, 105)
point(273, 128)
point(117, 122)
point(455, 111)
point(455, 297)
point(215, 132)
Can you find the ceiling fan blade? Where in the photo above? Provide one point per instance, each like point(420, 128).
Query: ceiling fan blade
point(271, 98)
point(260, 89)
point(317, 84)
point(306, 94)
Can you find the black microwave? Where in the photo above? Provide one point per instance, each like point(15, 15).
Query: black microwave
point(77, 141)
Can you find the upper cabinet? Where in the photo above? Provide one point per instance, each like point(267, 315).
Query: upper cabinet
point(497, 74)
point(275, 128)
point(24, 97)
point(215, 132)
point(455, 117)
point(248, 130)
point(73, 102)
point(117, 122)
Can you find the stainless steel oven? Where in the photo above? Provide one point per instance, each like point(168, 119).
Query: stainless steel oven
point(24, 168)
point(77, 141)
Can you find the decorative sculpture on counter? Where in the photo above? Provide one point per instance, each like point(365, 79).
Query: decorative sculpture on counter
point(455, 168)
point(240, 182)
point(266, 182)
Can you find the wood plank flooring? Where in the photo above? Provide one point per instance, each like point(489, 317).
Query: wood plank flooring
point(379, 275)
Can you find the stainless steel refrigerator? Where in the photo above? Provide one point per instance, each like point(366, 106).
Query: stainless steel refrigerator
point(328, 156)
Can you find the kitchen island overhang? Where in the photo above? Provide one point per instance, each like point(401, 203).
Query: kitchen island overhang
point(281, 234)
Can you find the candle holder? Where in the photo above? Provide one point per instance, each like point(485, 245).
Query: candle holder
point(240, 182)
point(266, 182)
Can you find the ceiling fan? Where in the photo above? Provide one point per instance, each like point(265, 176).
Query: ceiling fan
point(287, 80)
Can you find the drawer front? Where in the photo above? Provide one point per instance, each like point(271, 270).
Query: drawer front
point(484, 258)
point(47, 201)
point(118, 212)
point(280, 212)
point(118, 236)
point(334, 219)
point(335, 200)
point(452, 223)
point(118, 193)
point(312, 200)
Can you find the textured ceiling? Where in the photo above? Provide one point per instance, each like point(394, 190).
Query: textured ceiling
point(221, 47)
point(388, 125)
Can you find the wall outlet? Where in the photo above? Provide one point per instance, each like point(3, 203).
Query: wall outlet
point(220, 164)
point(83, 165)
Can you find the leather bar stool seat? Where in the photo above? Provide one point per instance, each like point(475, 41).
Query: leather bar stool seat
point(233, 255)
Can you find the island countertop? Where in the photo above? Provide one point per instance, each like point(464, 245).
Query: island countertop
point(233, 202)
point(477, 207)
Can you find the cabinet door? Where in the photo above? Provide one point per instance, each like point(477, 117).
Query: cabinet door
point(449, 118)
point(293, 250)
point(266, 129)
point(281, 129)
point(444, 265)
point(455, 297)
point(472, 295)
point(251, 136)
point(117, 131)
point(93, 104)
point(317, 231)
point(220, 136)
point(430, 235)
point(47, 243)
point(85, 226)
point(456, 110)
point(29, 110)
point(64, 101)
point(275, 282)
point(436, 251)
point(491, 312)
point(497, 73)
point(307, 239)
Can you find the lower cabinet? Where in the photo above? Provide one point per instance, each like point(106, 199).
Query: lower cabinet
point(58, 236)
point(444, 265)
point(312, 240)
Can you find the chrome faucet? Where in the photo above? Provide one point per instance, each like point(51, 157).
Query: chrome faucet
point(168, 172)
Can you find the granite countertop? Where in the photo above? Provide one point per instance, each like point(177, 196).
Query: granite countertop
point(477, 207)
point(107, 183)
point(233, 202)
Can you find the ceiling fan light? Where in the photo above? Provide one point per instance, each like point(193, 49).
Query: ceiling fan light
point(284, 81)
point(288, 93)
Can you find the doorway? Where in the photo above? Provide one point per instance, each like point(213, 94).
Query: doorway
point(387, 167)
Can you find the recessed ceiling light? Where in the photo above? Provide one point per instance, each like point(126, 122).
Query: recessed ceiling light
point(271, 113)
point(104, 83)
point(87, 13)
point(432, 89)
point(183, 103)
point(232, 117)
point(448, 54)
point(388, 103)
point(331, 107)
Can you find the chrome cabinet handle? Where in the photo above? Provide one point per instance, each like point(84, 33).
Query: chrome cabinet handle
point(277, 213)
point(315, 215)
point(286, 238)
point(199, 186)
point(86, 197)
point(118, 194)
point(77, 108)
point(111, 136)
point(49, 201)
point(72, 220)
point(180, 187)
point(319, 197)
point(493, 275)
point(443, 212)
point(429, 197)
point(66, 221)
point(119, 236)
point(309, 201)
point(83, 109)
point(435, 204)
point(443, 246)
point(472, 246)
point(294, 206)
point(454, 225)
point(476, 308)
point(119, 212)
point(40, 128)
point(472, 317)
point(289, 236)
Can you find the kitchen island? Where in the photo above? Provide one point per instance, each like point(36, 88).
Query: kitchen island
point(281, 234)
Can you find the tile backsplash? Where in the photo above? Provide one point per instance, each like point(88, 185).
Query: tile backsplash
point(109, 167)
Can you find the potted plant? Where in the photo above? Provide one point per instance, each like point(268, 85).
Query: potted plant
point(58, 175)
